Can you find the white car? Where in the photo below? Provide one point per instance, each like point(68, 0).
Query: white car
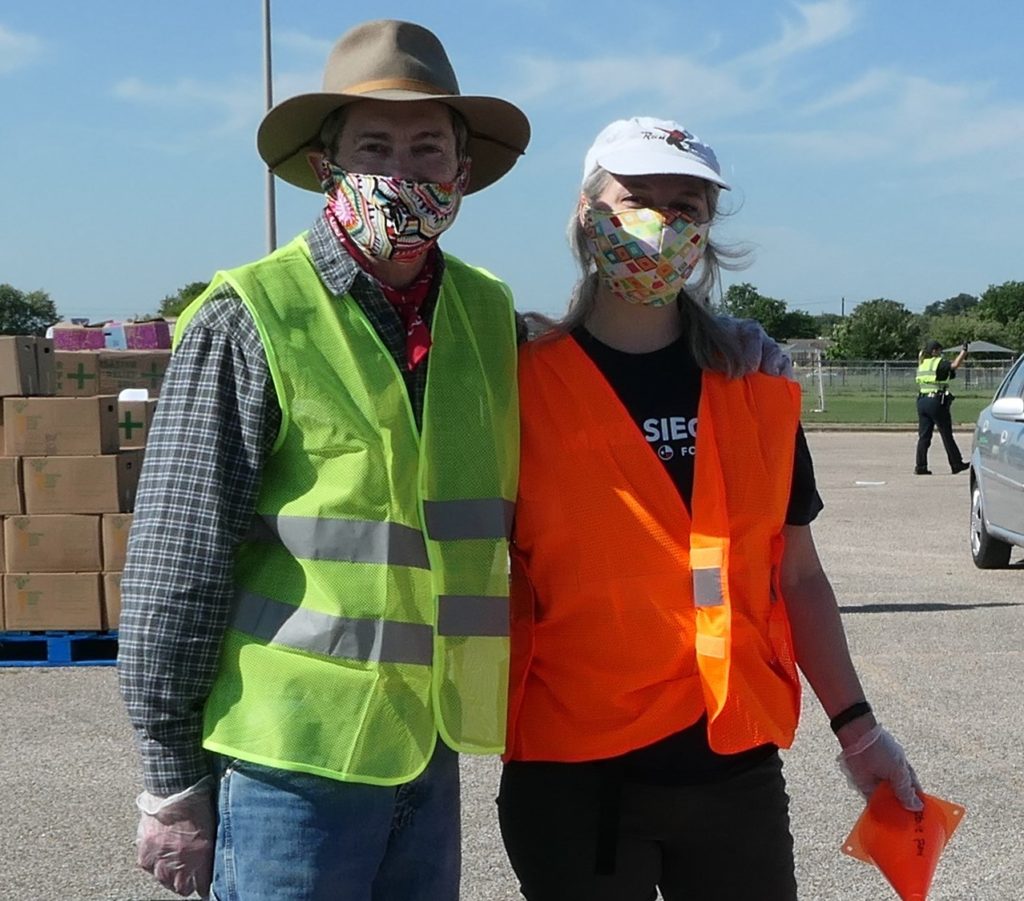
point(997, 474)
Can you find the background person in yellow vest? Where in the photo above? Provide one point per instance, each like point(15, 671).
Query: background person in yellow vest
point(665, 583)
point(316, 595)
point(934, 402)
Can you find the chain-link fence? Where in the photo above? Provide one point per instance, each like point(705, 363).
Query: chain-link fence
point(885, 391)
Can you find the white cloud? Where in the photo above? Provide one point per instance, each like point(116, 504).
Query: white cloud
point(817, 24)
point(303, 44)
point(235, 106)
point(911, 122)
point(708, 90)
point(18, 50)
point(732, 87)
point(870, 84)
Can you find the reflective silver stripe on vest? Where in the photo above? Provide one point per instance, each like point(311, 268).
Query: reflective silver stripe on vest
point(350, 540)
point(459, 614)
point(377, 641)
point(488, 517)
point(707, 587)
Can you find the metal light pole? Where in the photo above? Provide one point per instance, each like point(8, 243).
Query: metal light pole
point(268, 85)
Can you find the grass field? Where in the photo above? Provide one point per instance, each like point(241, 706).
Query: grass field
point(854, 407)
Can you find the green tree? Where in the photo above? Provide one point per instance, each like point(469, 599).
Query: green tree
point(1004, 302)
point(952, 306)
point(798, 324)
point(877, 329)
point(824, 323)
point(173, 304)
point(744, 301)
point(26, 313)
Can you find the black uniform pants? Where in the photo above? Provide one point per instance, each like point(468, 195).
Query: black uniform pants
point(933, 413)
point(575, 832)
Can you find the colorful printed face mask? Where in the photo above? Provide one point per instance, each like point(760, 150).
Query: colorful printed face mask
point(391, 218)
point(644, 256)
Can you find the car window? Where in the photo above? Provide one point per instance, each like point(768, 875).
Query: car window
point(1014, 384)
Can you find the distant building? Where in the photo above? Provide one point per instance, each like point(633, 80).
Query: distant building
point(807, 351)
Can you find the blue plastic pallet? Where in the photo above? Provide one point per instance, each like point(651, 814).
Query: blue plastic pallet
point(58, 648)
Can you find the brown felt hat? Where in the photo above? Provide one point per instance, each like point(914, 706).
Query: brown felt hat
point(390, 60)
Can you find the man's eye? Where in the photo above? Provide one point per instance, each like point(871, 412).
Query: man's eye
point(372, 148)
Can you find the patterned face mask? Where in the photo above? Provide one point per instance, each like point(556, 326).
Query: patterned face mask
point(644, 256)
point(392, 218)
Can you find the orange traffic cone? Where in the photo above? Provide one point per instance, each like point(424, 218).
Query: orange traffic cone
point(904, 845)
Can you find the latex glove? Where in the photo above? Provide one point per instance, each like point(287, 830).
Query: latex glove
point(176, 838)
point(758, 351)
point(877, 757)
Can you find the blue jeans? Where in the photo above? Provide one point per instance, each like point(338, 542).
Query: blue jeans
point(286, 836)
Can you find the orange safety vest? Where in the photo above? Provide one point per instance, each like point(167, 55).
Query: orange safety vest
point(630, 619)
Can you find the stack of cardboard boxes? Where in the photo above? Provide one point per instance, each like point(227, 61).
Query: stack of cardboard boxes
point(72, 452)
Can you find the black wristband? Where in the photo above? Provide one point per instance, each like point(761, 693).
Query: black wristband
point(861, 708)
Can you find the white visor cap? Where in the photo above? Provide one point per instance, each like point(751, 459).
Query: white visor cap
point(647, 146)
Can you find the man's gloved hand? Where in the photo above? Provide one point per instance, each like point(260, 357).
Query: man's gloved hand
point(176, 838)
point(758, 351)
point(877, 757)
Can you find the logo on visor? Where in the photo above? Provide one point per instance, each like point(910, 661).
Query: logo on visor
point(678, 139)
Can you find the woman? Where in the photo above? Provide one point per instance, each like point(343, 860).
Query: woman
point(665, 582)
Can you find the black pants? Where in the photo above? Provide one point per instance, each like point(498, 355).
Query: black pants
point(933, 413)
point(724, 841)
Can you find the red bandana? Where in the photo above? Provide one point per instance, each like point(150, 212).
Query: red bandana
point(406, 301)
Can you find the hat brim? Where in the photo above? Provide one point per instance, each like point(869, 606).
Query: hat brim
point(498, 133)
point(629, 162)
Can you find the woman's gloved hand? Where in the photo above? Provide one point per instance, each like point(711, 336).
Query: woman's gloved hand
point(758, 350)
point(877, 757)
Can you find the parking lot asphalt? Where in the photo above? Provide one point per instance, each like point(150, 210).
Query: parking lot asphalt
point(938, 643)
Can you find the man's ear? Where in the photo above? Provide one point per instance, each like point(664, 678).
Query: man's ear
point(317, 160)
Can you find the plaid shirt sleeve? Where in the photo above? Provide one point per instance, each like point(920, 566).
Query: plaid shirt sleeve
point(215, 421)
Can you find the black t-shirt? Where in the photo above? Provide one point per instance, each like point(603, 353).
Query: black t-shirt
point(661, 392)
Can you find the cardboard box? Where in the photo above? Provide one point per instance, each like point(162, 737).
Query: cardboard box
point(26, 366)
point(114, 529)
point(134, 418)
point(42, 601)
point(11, 500)
point(150, 334)
point(76, 373)
point(75, 336)
point(60, 426)
point(101, 484)
point(53, 543)
point(111, 600)
point(18, 373)
point(120, 369)
point(45, 368)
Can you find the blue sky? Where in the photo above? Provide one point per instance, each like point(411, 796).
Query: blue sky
point(876, 147)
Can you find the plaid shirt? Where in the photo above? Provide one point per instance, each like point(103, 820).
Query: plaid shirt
point(217, 419)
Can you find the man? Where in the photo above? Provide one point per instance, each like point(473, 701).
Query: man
point(933, 406)
point(310, 499)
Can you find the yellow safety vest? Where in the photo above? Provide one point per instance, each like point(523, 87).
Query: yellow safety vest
point(371, 608)
point(927, 383)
